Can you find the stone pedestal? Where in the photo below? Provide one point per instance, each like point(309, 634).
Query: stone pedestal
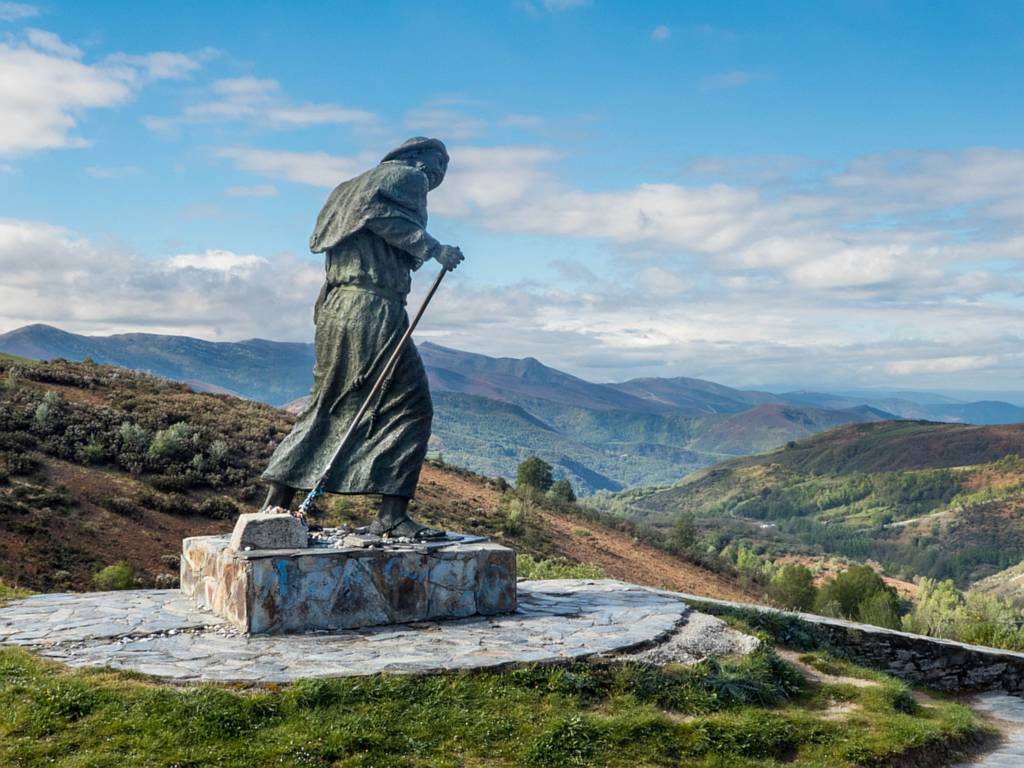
point(334, 588)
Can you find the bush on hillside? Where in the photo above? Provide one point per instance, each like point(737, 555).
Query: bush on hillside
point(534, 474)
point(561, 491)
point(944, 611)
point(113, 577)
point(859, 594)
point(792, 587)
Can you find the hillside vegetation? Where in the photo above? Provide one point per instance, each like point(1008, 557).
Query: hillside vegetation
point(99, 465)
point(494, 412)
point(922, 499)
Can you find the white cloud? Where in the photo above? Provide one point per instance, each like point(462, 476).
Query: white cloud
point(17, 11)
point(257, 100)
point(51, 43)
point(165, 65)
point(318, 169)
point(52, 275)
point(757, 281)
point(46, 87)
point(443, 116)
point(941, 364)
point(217, 261)
point(256, 190)
point(661, 33)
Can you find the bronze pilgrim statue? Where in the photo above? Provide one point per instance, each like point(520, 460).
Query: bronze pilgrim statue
point(372, 230)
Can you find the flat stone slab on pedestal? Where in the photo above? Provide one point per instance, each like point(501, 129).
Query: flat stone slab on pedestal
point(157, 632)
point(268, 530)
point(273, 591)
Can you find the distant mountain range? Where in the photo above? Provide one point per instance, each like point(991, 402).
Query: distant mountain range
point(492, 412)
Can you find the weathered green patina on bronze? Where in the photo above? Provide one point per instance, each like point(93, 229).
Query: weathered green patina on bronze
point(373, 232)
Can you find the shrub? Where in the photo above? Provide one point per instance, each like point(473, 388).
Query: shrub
point(93, 452)
point(881, 609)
point(47, 408)
point(218, 451)
point(534, 474)
point(175, 442)
point(514, 522)
point(219, 508)
point(792, 587)
point(849, 590)
point(116, 576)
point(684, 534)
point(561, 490)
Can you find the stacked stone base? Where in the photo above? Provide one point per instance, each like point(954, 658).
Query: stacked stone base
point(327, 588)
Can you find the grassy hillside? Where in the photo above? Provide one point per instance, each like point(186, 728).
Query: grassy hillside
point(99, 464)
point(922, 499)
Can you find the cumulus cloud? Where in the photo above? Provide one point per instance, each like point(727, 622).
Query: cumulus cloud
point(51, 275)
point(857, 274)
point(46, 86)
point(661, 33)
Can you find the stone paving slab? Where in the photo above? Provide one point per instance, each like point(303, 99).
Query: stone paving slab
point(74, 617)
point(157, 632)
point(1008, 712)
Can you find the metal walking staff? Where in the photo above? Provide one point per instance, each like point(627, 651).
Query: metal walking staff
point(318, 489)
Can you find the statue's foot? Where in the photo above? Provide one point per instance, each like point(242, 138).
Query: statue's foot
point(278, 495)
point(406, 528)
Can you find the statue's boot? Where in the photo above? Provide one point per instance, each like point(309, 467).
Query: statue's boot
point(393, 521)
point(279, 495)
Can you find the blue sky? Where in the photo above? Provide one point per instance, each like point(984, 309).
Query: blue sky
point(791, 194)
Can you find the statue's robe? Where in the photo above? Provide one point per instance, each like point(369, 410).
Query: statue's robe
point(372, 229)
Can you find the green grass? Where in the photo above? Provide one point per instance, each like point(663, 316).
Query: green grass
point(532, 568)
point(754, 712)
point(8, 593)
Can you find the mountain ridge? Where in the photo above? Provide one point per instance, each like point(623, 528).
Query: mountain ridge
point(600, 436)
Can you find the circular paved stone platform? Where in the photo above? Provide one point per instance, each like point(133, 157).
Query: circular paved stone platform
point(157, 632)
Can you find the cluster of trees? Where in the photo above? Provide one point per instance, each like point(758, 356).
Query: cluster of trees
point(534, 476)
point(942, 610)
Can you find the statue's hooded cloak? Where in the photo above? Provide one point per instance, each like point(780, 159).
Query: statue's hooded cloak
point(372, 232)
point(393, 189)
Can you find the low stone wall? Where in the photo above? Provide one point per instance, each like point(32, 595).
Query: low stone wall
point(944, 665)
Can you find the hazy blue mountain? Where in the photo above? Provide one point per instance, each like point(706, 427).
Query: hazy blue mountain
point(492, 412)
point(272, 371)
point(930, 406)
point(517, 380)
point(695, 397)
